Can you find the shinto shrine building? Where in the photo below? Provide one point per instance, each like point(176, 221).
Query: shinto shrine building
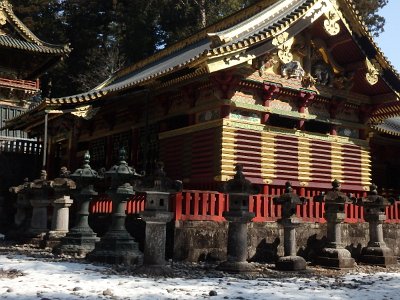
point(292, 89)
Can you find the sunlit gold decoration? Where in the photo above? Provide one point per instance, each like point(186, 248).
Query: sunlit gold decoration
point(331, 24)
point(284, 45)
point(3, 18)
point(265, 62)
point(87, 112)
point(373, 71)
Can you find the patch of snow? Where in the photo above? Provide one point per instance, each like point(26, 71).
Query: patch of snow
point(66, 280)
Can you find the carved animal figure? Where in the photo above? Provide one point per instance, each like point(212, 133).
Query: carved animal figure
point(292, 69)
point(322, 74)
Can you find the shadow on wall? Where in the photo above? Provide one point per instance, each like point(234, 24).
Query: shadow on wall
point(313, 247)
point(355, 251)
point(266, 252)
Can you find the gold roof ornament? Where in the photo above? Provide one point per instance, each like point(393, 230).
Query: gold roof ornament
point(3, 21)
point(3, 18)
point(331, 24)
point(86, 112)
point(284, 45)
point(373, 71)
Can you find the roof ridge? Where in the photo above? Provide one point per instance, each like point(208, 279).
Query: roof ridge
point(224, 23)
point(225, 36)
point(262, 35)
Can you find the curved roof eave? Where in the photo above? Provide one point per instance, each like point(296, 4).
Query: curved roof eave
point(12, 43)
point(194, 54)
point(389, 126)
point(28, 35)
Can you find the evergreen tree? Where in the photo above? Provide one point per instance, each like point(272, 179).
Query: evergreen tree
point(88, 28)
point(137, 28)
point(181, 18)
point(42, 17)
point(369, 10)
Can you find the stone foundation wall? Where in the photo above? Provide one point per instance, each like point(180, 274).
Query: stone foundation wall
point(207, 240)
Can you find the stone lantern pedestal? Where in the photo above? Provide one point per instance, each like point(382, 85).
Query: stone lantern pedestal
point(334, 255)
point(156, 215)
point(376, 252)
point(289, 201)
point(238, 217)
point(62, 187)
point(81, 239)
point(117, 245)
point(156, 236)
point(60, 222)
point(39, 189)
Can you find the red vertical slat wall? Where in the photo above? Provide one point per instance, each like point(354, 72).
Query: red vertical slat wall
point(203, 155)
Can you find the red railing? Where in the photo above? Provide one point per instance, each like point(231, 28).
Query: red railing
point(393, 213)
point(192, 205)
point(103, 204)
point(200, 206)
point(20, 84)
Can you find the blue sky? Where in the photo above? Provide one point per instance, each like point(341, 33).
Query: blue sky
point(389, 40)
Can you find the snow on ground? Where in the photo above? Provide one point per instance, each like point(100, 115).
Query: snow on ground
point(46, 279)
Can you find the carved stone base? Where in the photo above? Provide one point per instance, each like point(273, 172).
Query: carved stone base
point(291, 263)
point(335, 259)
point(116, 249)
point(236, 267)
point(380, 256)
point(77, 244)
point(53, 239)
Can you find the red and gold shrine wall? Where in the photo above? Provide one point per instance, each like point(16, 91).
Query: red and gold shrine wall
point(193, 154)
point(269, 155)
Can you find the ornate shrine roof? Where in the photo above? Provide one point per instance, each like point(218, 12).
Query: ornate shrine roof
point(23, 38)
point(235, 40)
point(7, 41)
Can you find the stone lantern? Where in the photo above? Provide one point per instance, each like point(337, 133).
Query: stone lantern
point(376, 252)
point(289, 201)
point(81, 239)
point(62, 187)
point(40, 191)
point(334, 255)
point(238, 217)
point(156, 214)
point(117, 245)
